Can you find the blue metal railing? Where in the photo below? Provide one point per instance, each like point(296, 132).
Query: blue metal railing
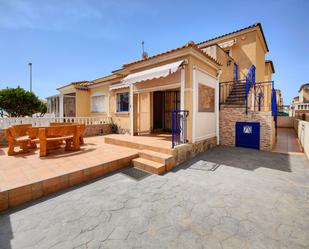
point(250, 81)
point(179, 127)
point(274, 108)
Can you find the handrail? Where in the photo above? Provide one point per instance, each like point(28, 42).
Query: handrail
point(179, 127)
point(250, 82)
point(42, 121)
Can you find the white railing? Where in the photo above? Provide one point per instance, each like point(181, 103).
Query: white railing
point(7, 122)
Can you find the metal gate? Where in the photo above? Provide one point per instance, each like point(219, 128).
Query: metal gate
point(247, 135)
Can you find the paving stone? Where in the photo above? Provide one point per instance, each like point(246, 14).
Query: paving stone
point(253, 200)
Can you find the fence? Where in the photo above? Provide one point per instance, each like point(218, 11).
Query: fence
point(7, 122)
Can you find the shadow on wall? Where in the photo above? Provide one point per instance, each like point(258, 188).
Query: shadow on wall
point(247, 159)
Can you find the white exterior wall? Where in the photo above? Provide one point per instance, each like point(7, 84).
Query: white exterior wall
point(205, 124)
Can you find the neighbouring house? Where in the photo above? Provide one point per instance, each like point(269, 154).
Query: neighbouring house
point(200, 92)
point(300, 103)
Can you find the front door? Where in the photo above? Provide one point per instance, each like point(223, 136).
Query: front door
point(158, 107)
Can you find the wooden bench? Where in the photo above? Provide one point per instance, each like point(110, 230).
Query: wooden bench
point(82, 126)
point(18, 134)
point(48, 136)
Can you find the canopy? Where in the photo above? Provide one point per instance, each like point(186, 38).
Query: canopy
point(153, 73)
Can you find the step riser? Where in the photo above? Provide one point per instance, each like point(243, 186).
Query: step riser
point(148, 168)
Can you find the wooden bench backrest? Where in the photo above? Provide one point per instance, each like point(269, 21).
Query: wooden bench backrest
point(19, 130)
point(82, 126)
point(60, 131)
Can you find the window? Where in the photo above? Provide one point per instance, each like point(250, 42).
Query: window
point(98, 102)
point(123, 102)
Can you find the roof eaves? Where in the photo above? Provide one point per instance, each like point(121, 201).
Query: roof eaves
point(271, 64)
point(239, 30)
point(189, 44)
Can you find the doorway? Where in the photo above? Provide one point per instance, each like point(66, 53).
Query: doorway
point(164, 102)
point(158, 110)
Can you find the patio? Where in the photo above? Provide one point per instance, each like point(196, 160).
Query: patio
point(25, 177)
point(226, 198)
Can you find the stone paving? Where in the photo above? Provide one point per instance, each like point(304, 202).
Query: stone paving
point(225, 198)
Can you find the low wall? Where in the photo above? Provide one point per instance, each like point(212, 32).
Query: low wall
point(97, 129)
point(185, 152)
point(285, 122)
point(3, 141)
point(302, 130)
point(90, 131)
point(229, 117)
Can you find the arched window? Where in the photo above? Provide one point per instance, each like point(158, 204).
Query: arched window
point(98, 100)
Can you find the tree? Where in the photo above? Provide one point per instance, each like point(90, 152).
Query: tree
point(18, 102)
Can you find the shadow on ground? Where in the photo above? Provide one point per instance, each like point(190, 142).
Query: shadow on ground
point(243, 158)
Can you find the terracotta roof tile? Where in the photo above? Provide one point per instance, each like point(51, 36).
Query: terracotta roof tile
point(259, 25)
point(189, 44)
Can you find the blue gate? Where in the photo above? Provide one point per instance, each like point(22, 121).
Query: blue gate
point(247, 135)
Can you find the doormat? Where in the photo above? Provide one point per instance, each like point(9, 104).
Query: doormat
point(204, 165)
point(135, 173)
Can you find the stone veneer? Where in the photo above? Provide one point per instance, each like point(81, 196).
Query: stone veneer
point(97, 129)
point(185, 152)
point(90, 131)
point(3, 141)
point(229, 117)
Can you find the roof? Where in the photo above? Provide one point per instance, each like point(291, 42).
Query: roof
point(271, 64)
point(259, 25)
point(190, 44)
point(77, 83)
point(302, 86)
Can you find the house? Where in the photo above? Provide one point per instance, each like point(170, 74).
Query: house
point(300, 104)
point(197, 91)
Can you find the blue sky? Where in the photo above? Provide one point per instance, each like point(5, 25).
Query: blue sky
point(71, 40)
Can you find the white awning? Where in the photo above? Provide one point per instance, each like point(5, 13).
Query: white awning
point(118, 86)
point(153, 73)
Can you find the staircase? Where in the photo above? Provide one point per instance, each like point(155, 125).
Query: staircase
point(154, 162)
point(237, 96)
point(152, 158)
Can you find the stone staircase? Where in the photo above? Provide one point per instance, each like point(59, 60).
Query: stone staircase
point(237, 96)
point(154, 162)
point(153, 159)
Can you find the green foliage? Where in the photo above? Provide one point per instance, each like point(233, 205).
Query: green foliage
point(18, 102)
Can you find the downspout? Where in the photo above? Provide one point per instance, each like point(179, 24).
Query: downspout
point(217, 106)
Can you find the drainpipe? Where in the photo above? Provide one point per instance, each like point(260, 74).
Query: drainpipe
point(217, 106)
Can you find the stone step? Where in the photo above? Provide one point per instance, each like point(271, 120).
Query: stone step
point(136, 145)
point(167, 160)
point(149, 166)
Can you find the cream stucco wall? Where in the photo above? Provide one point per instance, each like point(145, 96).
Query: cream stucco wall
point(82, 103)
point(205, 123)
point(104, 89)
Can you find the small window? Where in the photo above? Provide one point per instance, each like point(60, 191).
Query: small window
point(98, 102)
point(123, 102)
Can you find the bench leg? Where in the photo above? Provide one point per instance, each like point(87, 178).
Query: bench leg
point(43, 148)
point(11, 151)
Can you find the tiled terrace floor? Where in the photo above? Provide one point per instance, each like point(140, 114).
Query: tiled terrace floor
point(227, 198)
point(24, 169)
point(287, 141)
point(26, 177)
